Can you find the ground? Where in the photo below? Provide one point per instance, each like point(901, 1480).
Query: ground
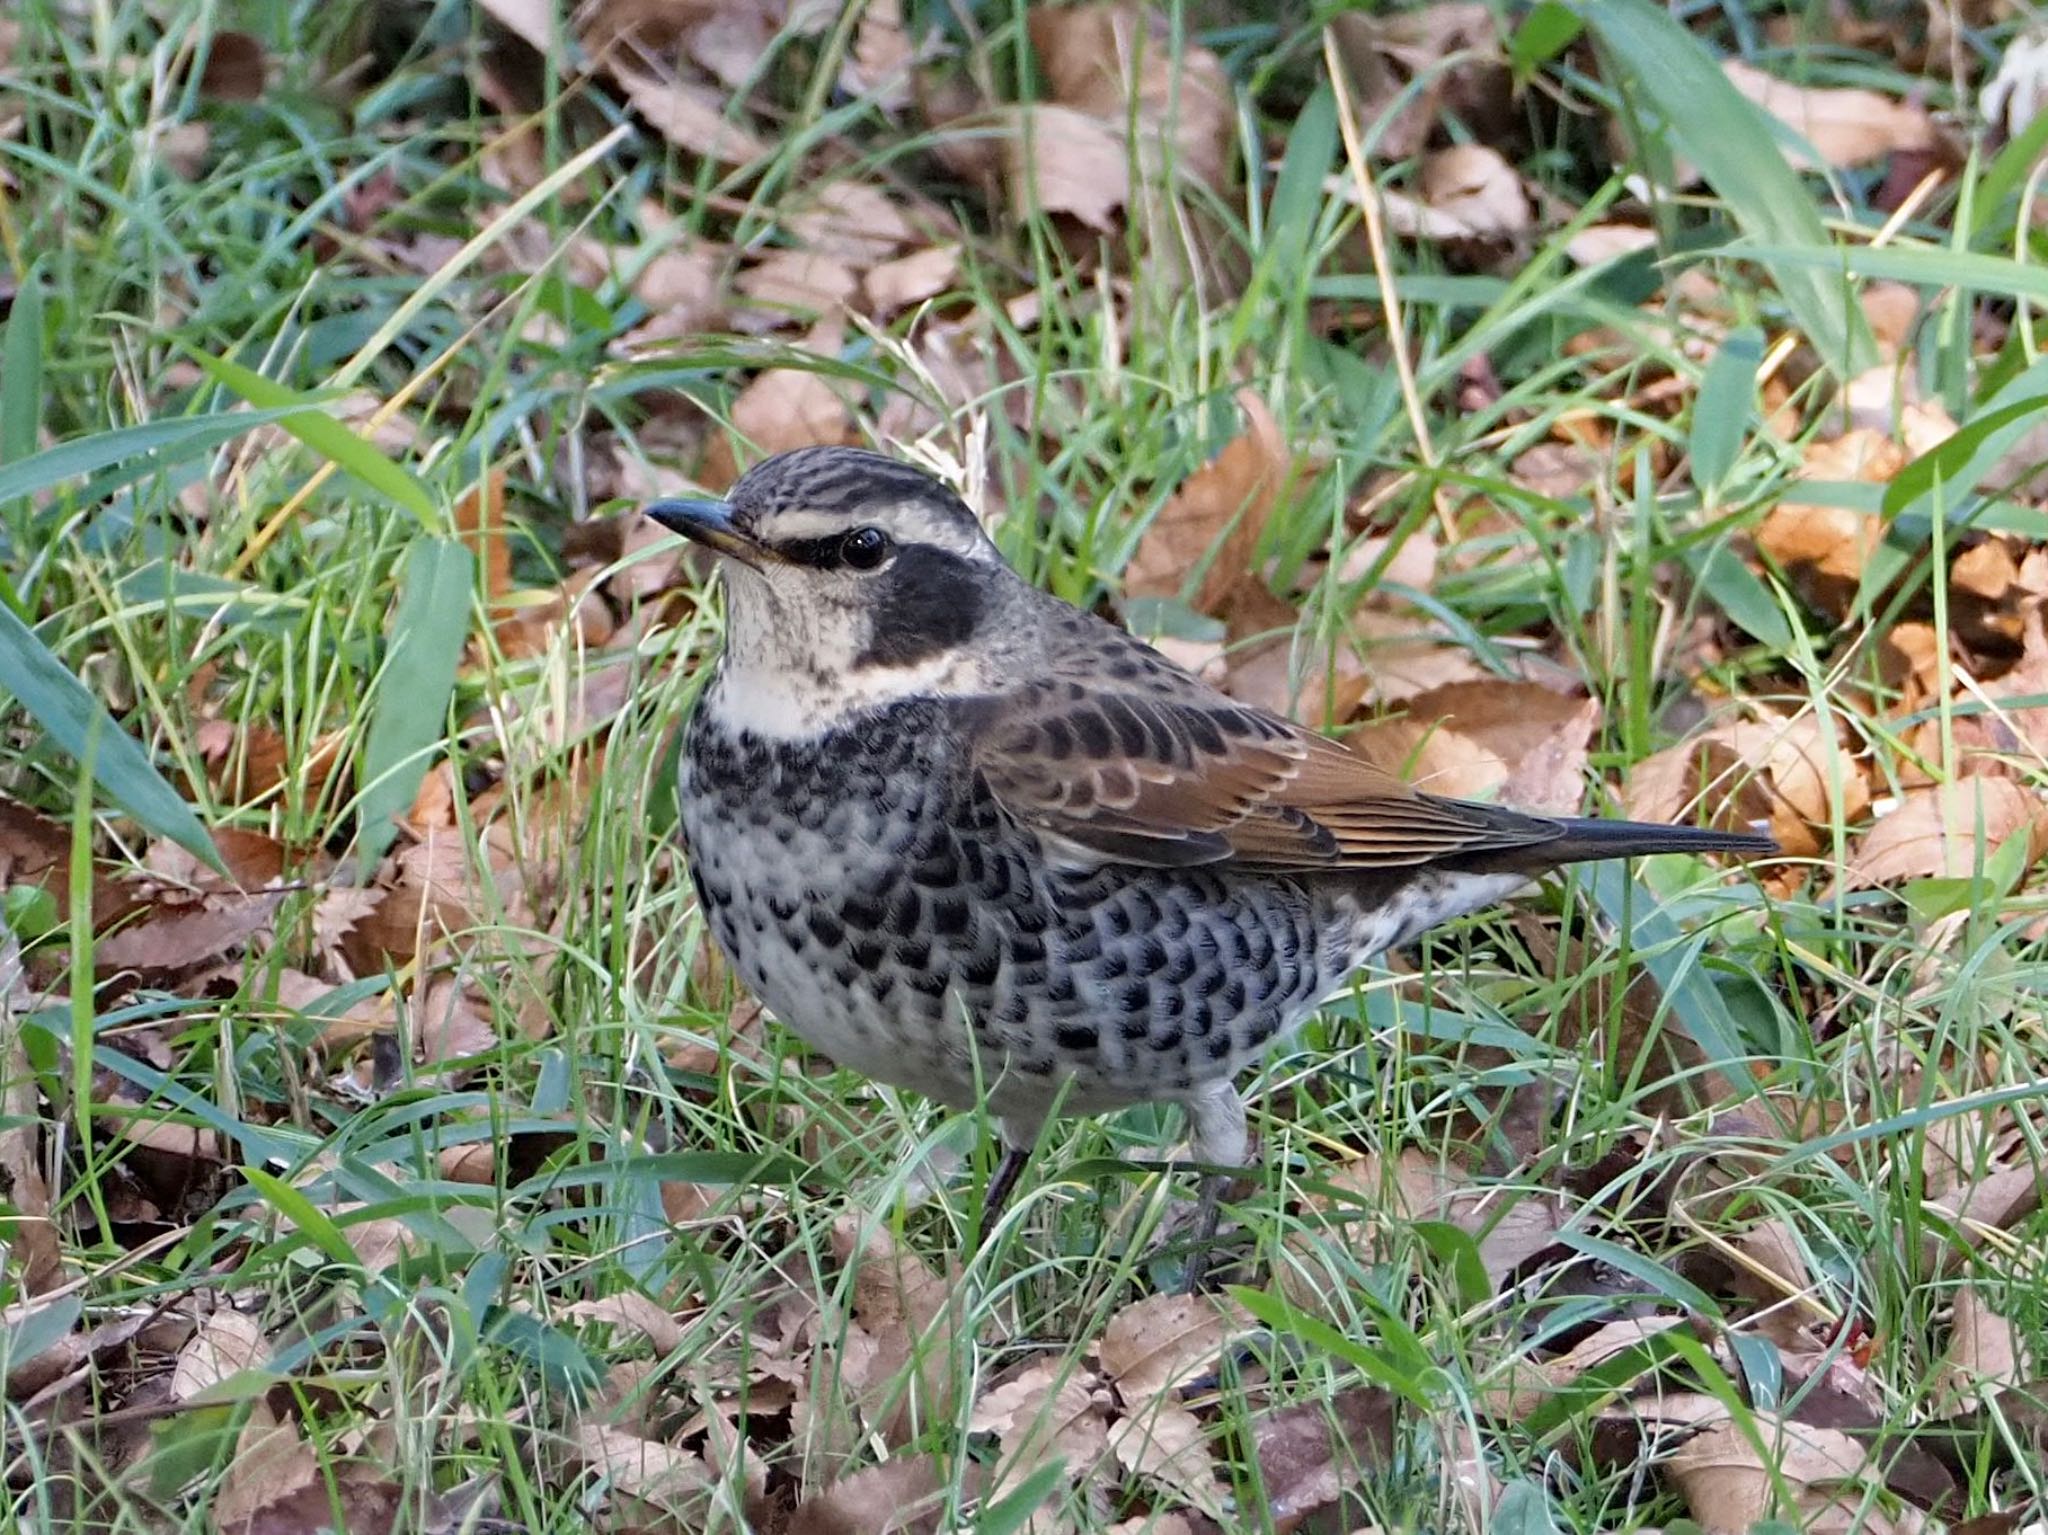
point(1596, 409)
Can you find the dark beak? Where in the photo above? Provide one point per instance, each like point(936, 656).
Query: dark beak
point(709, 523)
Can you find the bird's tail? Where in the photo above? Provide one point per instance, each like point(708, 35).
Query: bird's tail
point(1586, 840)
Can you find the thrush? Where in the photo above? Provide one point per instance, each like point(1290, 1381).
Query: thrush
point(970, 840)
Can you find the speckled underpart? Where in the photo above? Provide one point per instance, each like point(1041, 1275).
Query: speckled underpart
point(869, 888)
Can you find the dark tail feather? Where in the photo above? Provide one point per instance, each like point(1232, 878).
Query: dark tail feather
point(1586, 840)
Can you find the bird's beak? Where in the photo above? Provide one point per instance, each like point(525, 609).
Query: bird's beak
point(709, 523)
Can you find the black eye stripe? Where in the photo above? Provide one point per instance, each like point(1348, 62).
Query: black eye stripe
point(818, 553)
point(827, 553)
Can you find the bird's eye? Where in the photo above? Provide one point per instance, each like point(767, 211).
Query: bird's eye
point(864, 548)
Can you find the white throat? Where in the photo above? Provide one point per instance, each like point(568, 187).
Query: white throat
point(778, 703)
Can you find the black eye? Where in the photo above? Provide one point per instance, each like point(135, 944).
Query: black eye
point(864, 548)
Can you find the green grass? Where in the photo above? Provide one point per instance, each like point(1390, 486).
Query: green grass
point(1668, 1055)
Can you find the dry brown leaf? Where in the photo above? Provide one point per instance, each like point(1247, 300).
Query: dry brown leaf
point(880, 64)
point(673, 1480)
point(689, 116)
point(633, 1312)
point(236, 67)
point(853, 221)
point(904, 1318)
point(1403, 654)
point(1983, 1352)
point(1117, 62)
point(1311, 1453)
point(788, 408)
point(1845, 127)
point(1059, 160)
point(1154, 1345)
point(1598, 244)
point(227, 1343)
point(1729, 1486)
point(479, 518)
point(911, 279)
point(1415, 69)
point(902, 1496)
point(1166, 1444)
point(1470, 738)
point(178, 938)
point(1052, 1410)
point(1527, 1384)
point(1551, 777)
point(1223, 507)
point(1992, 1200)
point(1786, 772)
point(797, 284)
point(447, 1023)
point(1946, 831)
point(273, 1462)
point(36, 1252)
point(1476, 185)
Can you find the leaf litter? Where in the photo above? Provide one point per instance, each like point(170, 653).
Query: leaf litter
point(433, 969)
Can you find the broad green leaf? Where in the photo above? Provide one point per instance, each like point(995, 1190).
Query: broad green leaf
point(1548, 29)
point(1730, 140)
point(1724, 407)
point(411, 709)
point(324, 435)
point(80, 724)
point(312, 1223)
point(21, 372)
point(1741, 594)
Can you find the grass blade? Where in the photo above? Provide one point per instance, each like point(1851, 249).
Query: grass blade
point(324, 435)
point(1718, 130)
point(80, 724)
point(411, 711)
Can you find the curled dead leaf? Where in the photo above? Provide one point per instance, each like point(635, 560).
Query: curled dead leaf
point(1217, 514)
point(1845, 126)
point(1946, 831)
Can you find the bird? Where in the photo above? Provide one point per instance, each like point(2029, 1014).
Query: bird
point(968, 839)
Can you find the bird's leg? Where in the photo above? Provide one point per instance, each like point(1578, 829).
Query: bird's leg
point(1216, 1135)
point(1018, 1139)
point(1001, 1186)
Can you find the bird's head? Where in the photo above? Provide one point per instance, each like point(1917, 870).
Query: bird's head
point(851, 579)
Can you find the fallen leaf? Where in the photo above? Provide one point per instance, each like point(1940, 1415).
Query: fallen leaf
point(1154, 1345)
point(1789, 773)
point(174, 939)
point(902, 1496)
point(227, 1343)
point(1059, 160)
point(1729, 1484)
point(672, 1480)
point(1166, 1444)
point(1119, 62)
point(634, 1312)
point(1845, 126)
point(1310, 1454)
point(1220, 511)
point(797, 284)
point(911, 279)
point(1983, 1352)
point(1051, 1410)
point(788, 408)
point(1418, 68)
point(272, 1463)
point(1475, 188)
point(689, 116)
point(1946, 831)
point(854, 221)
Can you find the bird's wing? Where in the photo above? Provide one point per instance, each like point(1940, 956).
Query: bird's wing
point(1125, 761)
